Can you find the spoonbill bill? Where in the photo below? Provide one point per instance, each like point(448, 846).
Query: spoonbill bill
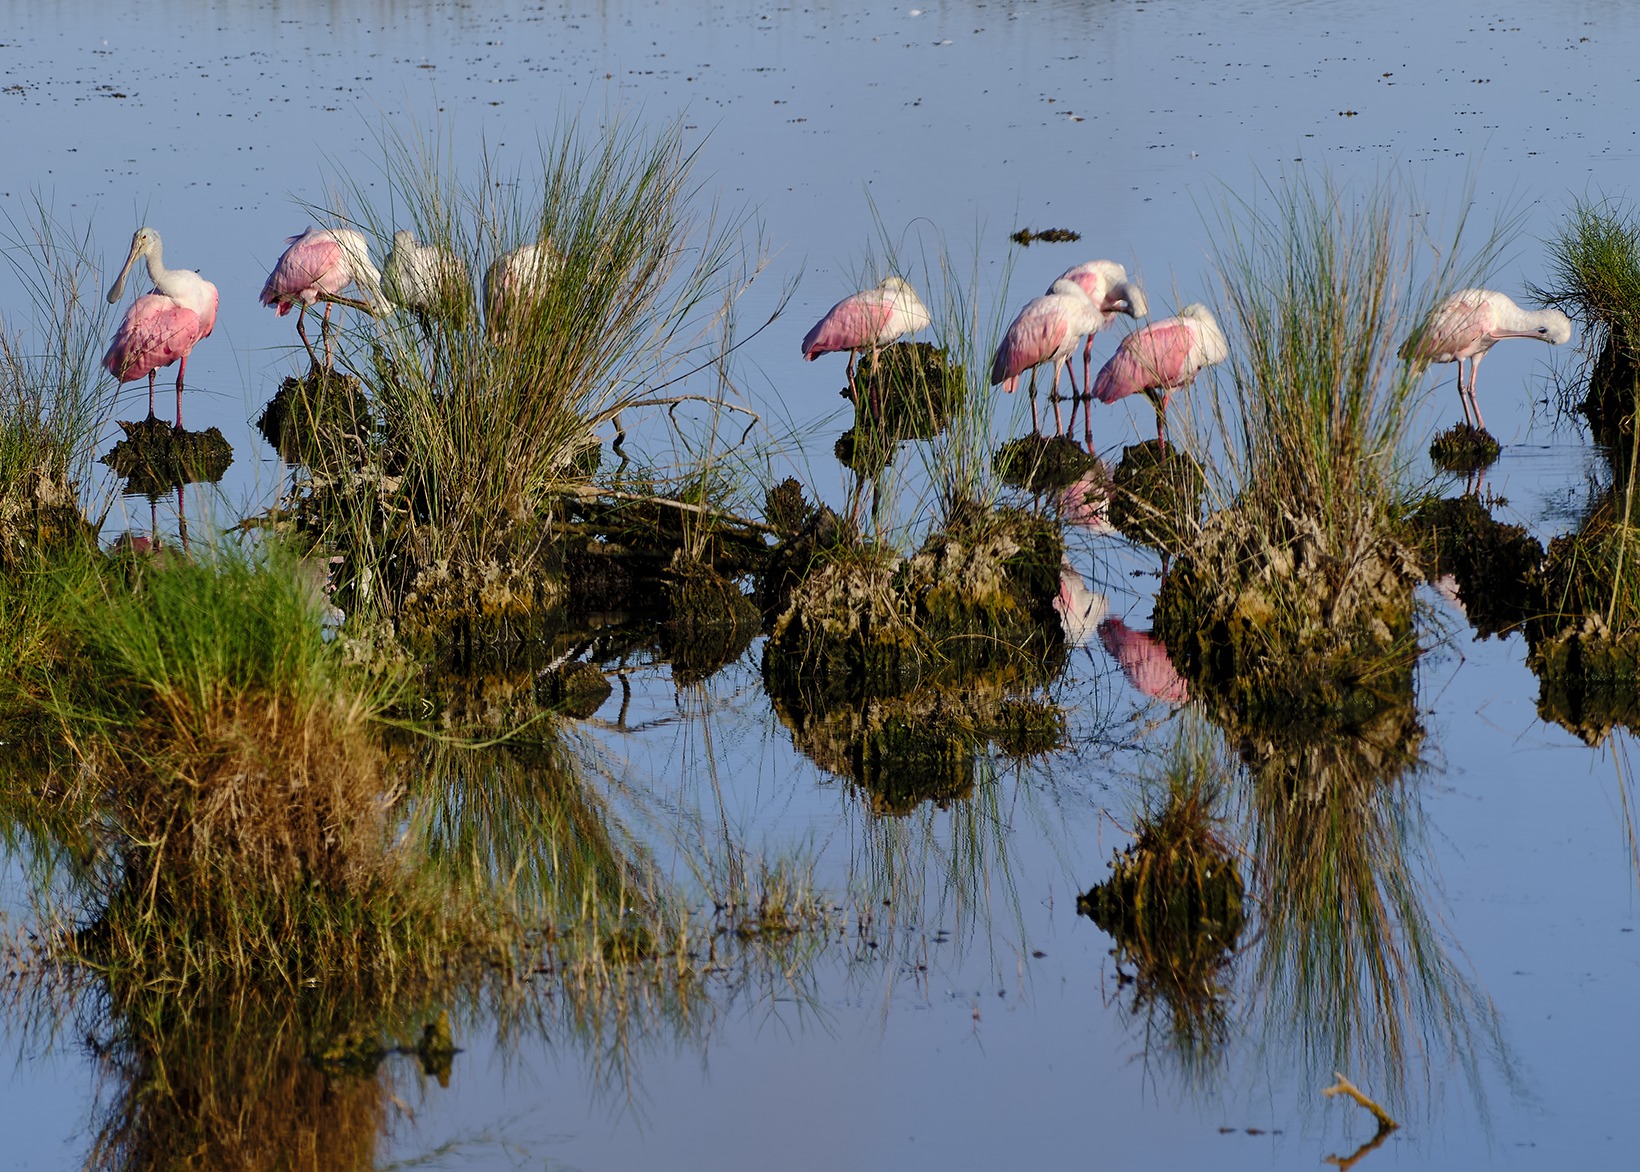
point(1161, 358)
point(1468, 324)
point(162, 326)
point(1046, 330)
point(317, 266)
point(867, 320)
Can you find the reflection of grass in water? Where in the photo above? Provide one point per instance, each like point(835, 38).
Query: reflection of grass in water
point(1352, 959)
point(1173, 902)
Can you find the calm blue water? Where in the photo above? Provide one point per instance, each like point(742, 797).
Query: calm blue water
point(849, 130)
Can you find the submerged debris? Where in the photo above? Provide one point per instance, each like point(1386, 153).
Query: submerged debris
point(1464, 448)
point(1025, 236)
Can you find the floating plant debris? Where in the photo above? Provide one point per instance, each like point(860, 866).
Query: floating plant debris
point(1025, 237)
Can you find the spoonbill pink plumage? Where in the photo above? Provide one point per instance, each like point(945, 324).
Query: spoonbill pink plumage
point(317, 266)
point(1161, 358)
point(867, 320)
point(1046, 330)
point(1467, 324)
point(163, 326)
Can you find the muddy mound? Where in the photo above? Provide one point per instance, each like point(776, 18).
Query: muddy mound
point(1464, 448)
point(155, 457)
point(1042, 463)
point(1268, 625)
point(39, 511)
point(322, 420)
point(710, 621)
point(1156, 494)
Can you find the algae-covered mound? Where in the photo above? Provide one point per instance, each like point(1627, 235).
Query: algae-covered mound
point(503, 598)
point(858, 619)
point(1156, 494)
point(1042, 463)
point(1496, 566)
point(1264, 621)
point(155, 457)
point(908, 390)
point(322, 420)
point(39, 511)
point(1463, 448)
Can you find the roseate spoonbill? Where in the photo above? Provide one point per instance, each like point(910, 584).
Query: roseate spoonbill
point(1161, 358)
point(867, 320)
point(516, 283)
point(1467, 324)
point(1080, 609)
point(429, 280)
point(1144, 661)
point(1106, 284)
point(317, 266)
point(163, 326)
point(1046, 330)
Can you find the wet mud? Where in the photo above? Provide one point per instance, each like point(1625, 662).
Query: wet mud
point(155, 457)
point(1156, 495)
point(1464, 448)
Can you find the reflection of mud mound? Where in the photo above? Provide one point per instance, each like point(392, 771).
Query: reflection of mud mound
point(1496, 566)
point(507, 598)
point(1587, 678)
point(710, 622)
point(1268, 626)
point(1463, 447)
point(322, 420)
point(925, 746)
point(1614, 389)
point(39, 512)
point(1155, 492)
point(155, 457)
point(576, 690)
point(863, 621)
point(1042, 463)
point(1173, 904)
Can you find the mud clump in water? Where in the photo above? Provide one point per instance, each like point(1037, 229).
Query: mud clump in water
point(907, 391)
point(1463, 448)
point(155, 457)
point(1613, 390)
point(576, 690)
point(1042, 463)
point(710, 621)
point(1270, 627)
point(1156, 494)
point(1496, 567)
point(321, 421)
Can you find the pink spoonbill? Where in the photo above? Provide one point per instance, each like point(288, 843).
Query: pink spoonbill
point(1107, 286)
point(1046, 330)
point(867, 320)
point(1467, 324)
point(1144, 661)
point(1079, 608)
point(162, 326)
point(317, 266)
point(1161, 358)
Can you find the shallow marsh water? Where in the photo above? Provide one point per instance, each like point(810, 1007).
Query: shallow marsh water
point(988, 1027)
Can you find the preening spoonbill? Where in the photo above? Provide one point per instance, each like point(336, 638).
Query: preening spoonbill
point(429, 280)
point(1161, 358)
point(163, 326)
point(1106, 284)
point(516, 283)
point(318, 265)
point(1467, 324)
point(1046, 330)
point(867, 320)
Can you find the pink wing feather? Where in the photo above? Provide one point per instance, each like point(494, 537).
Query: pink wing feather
point(156, 332)
point(1039, 333)
point(852, 324)
point(1156, 357)
point(313, 264)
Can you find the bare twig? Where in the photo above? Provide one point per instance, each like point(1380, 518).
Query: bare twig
point(1345, 1087)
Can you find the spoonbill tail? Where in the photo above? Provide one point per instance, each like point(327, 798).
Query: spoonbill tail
point(1161, 358)
point(516, 283)
point(1467, 325)
point(427, 279)
point(163, 326)
point(867, 320)
point(1046, 330)
point(317, 266)
point(1106, 284)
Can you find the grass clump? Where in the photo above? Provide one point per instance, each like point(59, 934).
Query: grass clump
point(1595, 280)
point(1305, 566)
